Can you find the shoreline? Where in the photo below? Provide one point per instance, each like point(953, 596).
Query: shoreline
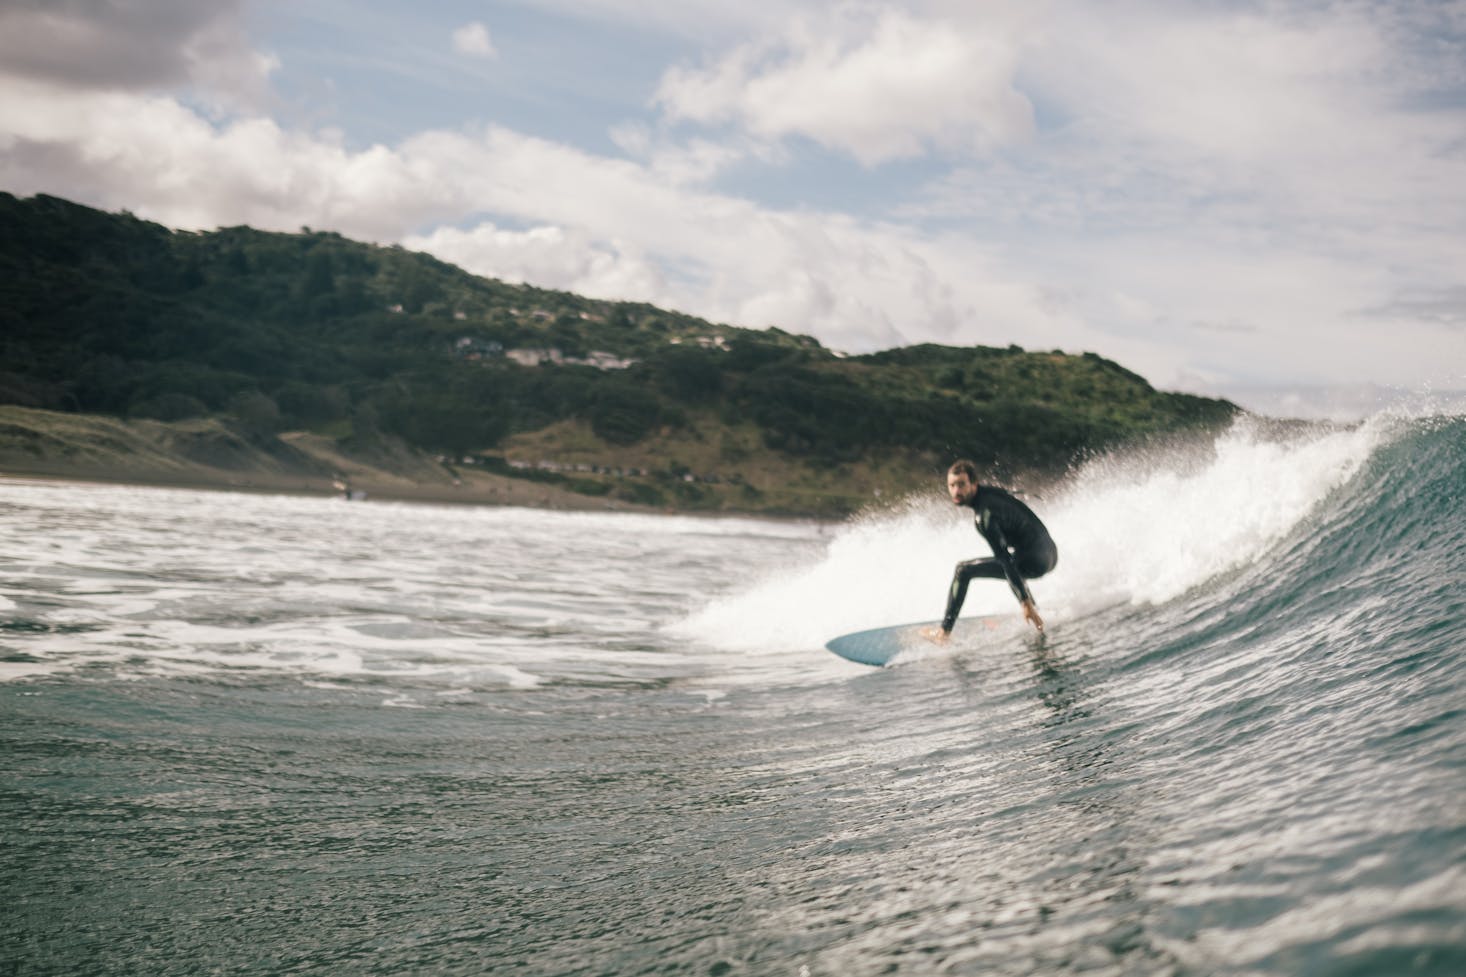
point(528, 496)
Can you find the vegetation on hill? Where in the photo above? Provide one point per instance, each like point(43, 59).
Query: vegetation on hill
point(108, 314)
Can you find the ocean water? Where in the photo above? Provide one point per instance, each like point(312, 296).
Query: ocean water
point(246, 734)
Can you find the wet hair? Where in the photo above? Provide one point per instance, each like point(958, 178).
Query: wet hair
point(964, 467)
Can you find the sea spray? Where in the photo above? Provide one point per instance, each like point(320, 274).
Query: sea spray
point(881, 568)
point(1145, 534)
point(1136, 529)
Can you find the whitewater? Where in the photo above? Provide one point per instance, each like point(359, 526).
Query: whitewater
point(265, 734)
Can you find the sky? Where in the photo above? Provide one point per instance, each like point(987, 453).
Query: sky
point(1263, 201)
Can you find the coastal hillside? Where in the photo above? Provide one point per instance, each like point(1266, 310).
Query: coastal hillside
point(401, 367)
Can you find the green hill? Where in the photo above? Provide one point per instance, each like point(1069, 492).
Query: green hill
point(368, 347)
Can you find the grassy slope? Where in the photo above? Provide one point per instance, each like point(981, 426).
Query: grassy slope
point(284, 355)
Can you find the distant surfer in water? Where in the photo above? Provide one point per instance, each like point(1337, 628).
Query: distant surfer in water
point(1022, 547)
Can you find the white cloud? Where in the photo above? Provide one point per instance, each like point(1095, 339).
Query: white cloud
point(137, 46)
point(473, 39)
point(548, 257)
point(874, 82)
point(154, 156)
point(697, 161)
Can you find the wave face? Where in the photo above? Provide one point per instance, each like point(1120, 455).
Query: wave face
point(266, 735)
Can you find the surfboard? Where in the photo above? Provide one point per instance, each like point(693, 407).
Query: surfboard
point(879, 646)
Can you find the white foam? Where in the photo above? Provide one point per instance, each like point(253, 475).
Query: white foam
point(1146, 534)
point(1136, 531)
point(10, 671)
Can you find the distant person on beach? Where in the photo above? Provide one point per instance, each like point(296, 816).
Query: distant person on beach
point(1022, 547)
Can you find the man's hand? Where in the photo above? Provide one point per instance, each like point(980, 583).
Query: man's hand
point(935, 635)
point(1030, 614)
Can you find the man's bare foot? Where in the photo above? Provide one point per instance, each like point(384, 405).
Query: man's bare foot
point(935, 635)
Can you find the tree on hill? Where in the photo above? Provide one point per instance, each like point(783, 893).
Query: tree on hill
point(108, 313)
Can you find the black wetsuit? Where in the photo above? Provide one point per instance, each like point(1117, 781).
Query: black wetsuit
point(1022, 548)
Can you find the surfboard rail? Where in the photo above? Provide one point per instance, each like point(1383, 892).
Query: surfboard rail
point(880, 646)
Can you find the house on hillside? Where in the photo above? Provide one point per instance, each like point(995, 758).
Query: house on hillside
point(706, 342)
point(535, 357)
point(473, 348)
point(539, 357)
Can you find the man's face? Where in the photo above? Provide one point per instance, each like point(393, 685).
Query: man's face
point(960, 488)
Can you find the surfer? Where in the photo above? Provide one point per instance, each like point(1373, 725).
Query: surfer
point(1022, 547)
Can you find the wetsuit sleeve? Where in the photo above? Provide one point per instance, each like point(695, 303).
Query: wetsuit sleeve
point(989, 529)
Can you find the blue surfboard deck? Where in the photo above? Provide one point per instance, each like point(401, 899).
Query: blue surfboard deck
point(879, 645)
